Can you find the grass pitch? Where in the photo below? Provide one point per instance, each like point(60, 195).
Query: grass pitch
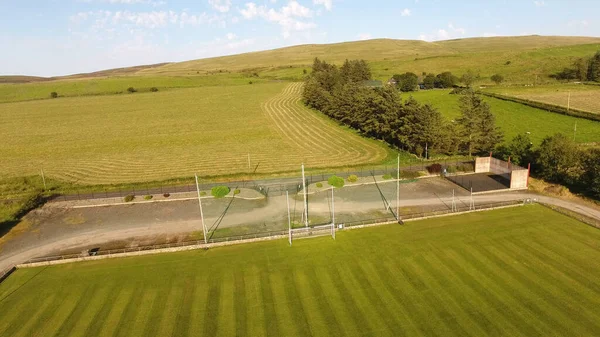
point(515, 118)
point(171, 134)
point(514, 272)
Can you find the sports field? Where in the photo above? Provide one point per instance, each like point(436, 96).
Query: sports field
point(582, 97)
point(515, 272)
point(515, 118)
point(171, 134)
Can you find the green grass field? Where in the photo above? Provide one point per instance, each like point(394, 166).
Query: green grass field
point(170, 134)
point(582, 97)
point(515, 118)
point(513, 272)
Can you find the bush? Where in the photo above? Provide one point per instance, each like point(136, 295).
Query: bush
point(220, 191)
point(335, 181)
point(148, 197)
point(319, 185)
point(54, 94)
point(434, 169)
point(451, 169)
point(131, 90)
point(352, 178)
point(236, 191)
point(129, 198)
point(166, 195)
point(387, 176)
point(202, 194)
point(249, 82)
point(466, 167)
point(154, 89)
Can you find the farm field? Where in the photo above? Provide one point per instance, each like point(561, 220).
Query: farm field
point(172, 134)
point(521, 272)
point(515, 118)
point(583, 97)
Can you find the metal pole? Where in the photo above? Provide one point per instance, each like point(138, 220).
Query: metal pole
point(287, 200)
point(398, 191)
point(43, 179)
point(332, 207)
point(305, 198)
point(201, 212)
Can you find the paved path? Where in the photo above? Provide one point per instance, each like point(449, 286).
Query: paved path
point(181, 217)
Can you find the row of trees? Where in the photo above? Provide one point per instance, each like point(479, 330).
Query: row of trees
point(410, 81)
point(558, 159)
point(583, 69)
point(380, 113)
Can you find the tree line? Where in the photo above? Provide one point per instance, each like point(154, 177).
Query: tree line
point(558, 159)
point(380, 113)
point(410, 81)
point(582, 69)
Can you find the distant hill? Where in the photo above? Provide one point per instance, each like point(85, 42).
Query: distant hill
point(520, 59)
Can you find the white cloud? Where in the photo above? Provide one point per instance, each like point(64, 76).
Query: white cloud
point(328, 4)
point(405, 12)
point(364, 36)
point(287, 16)
point(231, 36)
point(222, 6)
point(107, 20)
point(539, 3)
point(129, 2)
point(452, 32)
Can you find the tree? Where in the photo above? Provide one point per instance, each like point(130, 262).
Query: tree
point(429, 81)
point(446, 80)
point(497, 78)
point(519, 150)
point(581, 68)
point(406, 82)
point(468, 78)
point(557, 159)
point(591, 176)
point(54, 94)
point(421, 126)
point(594, 68)
point(131, 90)
point(355, 71)
point(478, 125)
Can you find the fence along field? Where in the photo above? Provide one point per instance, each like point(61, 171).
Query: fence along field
point(157, 136)
point(515, 272)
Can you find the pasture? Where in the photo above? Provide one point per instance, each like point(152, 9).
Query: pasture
point(515, 118)
point(170, 134)
point(583, 97)
point(515, 272)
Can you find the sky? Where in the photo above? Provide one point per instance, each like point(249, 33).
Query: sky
point(61, 37)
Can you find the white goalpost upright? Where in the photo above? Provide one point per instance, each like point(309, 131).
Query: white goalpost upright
point(287, 200)
point(305, 214)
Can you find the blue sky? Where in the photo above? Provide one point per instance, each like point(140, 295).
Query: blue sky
point(59, 37)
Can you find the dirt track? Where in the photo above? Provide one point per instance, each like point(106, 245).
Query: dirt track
point(49, 230)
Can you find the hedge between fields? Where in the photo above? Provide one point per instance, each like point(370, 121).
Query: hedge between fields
point(545, 106)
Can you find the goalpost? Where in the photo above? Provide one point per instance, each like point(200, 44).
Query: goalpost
point(308, 231)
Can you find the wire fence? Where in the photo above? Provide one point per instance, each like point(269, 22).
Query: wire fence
point(270, 234)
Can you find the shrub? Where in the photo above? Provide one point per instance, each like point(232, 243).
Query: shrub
point(236, 191)
point(220, 191)
point(319, 185)
point(148, 197)
point(249, 82)
point(451, 169)
point(166, 195)
point(202, 194)
point(335, 181)
point(466, 167)
point(131, 90)
point(352, 178)
point(154, 89)
point(387, 176)
point(129, 198)
point(54, 94)
point(434, 169)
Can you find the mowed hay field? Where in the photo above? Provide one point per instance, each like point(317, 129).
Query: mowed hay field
point(514, 272)
point(515, 118)
point(583, 97)
point(156, 136)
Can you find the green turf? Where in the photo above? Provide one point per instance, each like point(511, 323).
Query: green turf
point(515, 118)
point(514, 272)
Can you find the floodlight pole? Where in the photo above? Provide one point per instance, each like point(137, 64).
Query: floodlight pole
point(287, 200)
point(398, 190)
point(305, 200)
point(201, 212)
